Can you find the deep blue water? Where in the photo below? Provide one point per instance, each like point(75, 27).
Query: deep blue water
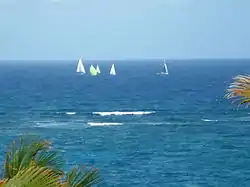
point(193, 137)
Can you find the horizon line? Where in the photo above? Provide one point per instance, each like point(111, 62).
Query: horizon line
point(129, 59)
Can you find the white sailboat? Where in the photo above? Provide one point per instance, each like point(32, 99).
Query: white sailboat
point(80, 67)
point(165, 70)
point(98, 69)
point(112, 70)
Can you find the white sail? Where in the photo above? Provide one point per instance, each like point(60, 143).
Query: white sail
point(80, 67)
point(165, 68)
point(112, 70)
point(98, 69)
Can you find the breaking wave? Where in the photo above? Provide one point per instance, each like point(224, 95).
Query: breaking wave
point(70, 113)
point(207, 120)
point(117, 113)
point(103, 124)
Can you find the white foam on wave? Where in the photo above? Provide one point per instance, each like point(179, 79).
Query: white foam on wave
point(67, 113)
point(103, 124)
point(118, 113)
point(49, 124)
point(70, 113)
point(207, 120)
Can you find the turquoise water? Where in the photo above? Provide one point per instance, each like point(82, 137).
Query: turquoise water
point(184, 133)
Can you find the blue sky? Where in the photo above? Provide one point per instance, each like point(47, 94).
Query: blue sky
point(124, 29)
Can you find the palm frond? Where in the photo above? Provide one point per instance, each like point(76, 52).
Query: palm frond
point(50, 159)
point(30, 163)
point(82, 177)
point(25, 152)
point(34, 177)
point(239, 90)
point(21, 154)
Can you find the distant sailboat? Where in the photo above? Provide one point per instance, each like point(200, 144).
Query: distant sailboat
point(112, 70)
point(165, 70)
point(98, 69)
point(92, 70)
point(80, 67)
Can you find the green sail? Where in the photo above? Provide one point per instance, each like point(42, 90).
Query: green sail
point(92, 70)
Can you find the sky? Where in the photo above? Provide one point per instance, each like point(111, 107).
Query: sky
point(124, 29)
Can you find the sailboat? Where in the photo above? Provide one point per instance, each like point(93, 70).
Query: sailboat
point(112, 70)
point(165, 70)
point(92, 70)
point(80, 67)
point(98, 69)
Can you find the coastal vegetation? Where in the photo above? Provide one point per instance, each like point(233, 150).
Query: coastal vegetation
point(31, 162)
point(239, 90)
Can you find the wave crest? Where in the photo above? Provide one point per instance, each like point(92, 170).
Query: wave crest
point(70, 113)
point(119, 113)
point(103, 124)
point(207, 120)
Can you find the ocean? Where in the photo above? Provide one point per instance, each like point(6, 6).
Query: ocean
point(138, 128)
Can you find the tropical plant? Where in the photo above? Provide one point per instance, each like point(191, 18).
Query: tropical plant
point(239, 90)
point(30, 162)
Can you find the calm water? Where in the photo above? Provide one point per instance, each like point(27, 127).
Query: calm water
point(190, 136)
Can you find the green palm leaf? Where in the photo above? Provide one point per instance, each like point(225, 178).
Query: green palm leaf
point(31, 163)
point(34, 177)
point(29, 150)
point(82, 177)
point(51, 160)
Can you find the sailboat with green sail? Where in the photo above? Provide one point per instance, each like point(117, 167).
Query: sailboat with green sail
point(93, 71)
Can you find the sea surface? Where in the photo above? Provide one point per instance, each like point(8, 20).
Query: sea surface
point(138, 128)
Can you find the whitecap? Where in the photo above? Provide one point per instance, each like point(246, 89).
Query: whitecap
point(207, 120)
point(70, 113)
point(103, 124)
point(119, 113)
point(49, 123)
